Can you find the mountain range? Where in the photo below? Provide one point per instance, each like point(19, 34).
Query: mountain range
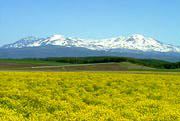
point(57, 45)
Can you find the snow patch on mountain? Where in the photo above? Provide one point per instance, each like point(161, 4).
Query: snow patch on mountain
point(133, 42)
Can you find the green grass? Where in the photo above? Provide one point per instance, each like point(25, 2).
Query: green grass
point(131, 66)
point(35, 62)
point(39, 62)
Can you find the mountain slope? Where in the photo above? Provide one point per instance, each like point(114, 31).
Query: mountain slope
point(137, 46)
point(59, 51)
point(135, 42)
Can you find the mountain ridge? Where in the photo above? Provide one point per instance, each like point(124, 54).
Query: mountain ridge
point(136, 42)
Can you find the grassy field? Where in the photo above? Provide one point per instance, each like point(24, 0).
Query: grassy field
point(54, 66)
point(32, 62)
point(89, 96)
point(122, 66)
point(39, 65)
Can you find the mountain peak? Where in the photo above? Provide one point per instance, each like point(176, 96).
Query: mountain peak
point(134, 42)
point(138, 36)
point(56, 37)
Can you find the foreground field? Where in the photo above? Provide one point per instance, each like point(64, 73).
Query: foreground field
point(49, 96)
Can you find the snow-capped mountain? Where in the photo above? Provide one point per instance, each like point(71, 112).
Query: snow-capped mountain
point(134, 42)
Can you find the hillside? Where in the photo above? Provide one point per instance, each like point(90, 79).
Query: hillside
point(159, 64)
point(52, 66)
point(87, 64)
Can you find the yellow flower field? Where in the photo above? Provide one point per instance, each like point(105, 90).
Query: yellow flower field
point(89, 96)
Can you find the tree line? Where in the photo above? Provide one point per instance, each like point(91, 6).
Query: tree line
point(103, 59)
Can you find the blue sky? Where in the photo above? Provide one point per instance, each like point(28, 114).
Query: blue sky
point(90, 19)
